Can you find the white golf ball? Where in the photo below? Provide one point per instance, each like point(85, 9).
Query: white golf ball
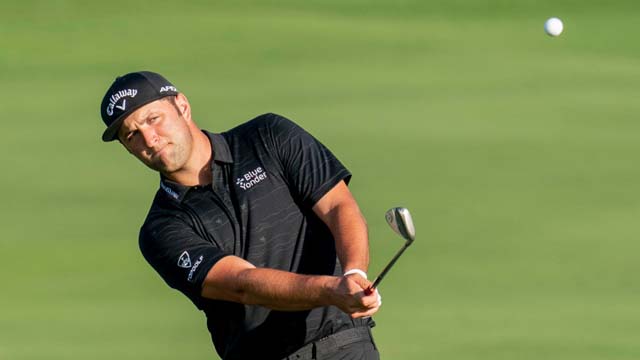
point(553, 26)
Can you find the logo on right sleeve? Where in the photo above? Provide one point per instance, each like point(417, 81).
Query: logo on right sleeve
point(193, 269)
point(184, 261)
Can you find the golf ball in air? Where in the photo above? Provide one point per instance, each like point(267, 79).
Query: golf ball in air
point(553, 26)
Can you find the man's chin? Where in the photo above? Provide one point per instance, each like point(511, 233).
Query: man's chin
point(162, 167)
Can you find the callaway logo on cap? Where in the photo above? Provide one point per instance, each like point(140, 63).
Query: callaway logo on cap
point(128, 93)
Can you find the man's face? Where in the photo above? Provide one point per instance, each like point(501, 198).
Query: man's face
point(158, 135)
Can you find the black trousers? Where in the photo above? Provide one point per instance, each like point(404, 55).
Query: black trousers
point(350, 344)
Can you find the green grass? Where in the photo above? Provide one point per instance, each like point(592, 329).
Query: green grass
point(517, 154)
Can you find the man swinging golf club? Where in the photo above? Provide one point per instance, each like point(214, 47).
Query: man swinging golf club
point(255, 225)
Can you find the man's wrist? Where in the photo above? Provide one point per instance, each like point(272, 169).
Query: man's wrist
point(355, 271)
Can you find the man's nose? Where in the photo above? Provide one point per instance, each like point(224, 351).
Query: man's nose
point(150, 137)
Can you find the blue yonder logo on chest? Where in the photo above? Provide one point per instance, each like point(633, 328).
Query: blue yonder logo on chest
point(251, 178)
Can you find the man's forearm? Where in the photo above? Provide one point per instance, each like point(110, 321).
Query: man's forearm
point(281, 290)
point(349, 230)
point(339, 210)
point(234, 279)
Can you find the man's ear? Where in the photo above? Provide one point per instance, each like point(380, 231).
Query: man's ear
point(184, 106)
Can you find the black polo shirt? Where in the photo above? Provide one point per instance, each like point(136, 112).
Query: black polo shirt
point(267, 174)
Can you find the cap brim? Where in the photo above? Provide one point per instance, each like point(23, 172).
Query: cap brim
point(111, 133)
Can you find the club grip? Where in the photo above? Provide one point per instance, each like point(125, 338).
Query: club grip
point(368, 291)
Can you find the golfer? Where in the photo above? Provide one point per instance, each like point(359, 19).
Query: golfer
point(255, 225)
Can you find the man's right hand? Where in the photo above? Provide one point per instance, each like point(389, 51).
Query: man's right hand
point(354, 300)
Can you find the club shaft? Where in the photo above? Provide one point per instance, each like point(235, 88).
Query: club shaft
point(389, 266)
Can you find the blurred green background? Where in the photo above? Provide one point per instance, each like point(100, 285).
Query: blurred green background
point(517, 154)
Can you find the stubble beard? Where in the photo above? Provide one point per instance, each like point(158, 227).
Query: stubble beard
point(175, 155)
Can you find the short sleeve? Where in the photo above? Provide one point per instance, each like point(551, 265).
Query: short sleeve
point(309, 167)
point(181, 257)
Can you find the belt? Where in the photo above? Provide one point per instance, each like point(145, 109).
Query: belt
point(331, 343)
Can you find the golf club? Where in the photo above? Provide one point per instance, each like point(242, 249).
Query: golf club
point(399, 219)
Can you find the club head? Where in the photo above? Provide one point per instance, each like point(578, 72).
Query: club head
point(399, 219)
